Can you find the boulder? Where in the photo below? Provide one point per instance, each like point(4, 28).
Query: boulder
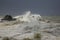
point(8, 18)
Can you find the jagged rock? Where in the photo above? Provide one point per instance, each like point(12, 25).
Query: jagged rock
point(8, 18)
point(48, 21)
point(5, 38)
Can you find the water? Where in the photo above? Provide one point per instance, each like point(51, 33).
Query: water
point(27, 25)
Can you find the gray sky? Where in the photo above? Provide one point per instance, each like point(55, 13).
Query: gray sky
point(43, 7)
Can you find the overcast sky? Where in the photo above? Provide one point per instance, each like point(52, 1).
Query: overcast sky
point(43, 7)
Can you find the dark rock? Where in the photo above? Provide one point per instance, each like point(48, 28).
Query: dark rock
point(48, 21)
point(8, 18)
point(5, 38)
